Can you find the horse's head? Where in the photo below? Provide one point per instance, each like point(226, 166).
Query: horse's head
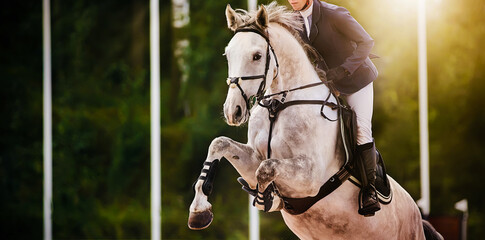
point(251, 63)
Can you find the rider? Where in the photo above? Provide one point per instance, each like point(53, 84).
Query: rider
point(345, 47)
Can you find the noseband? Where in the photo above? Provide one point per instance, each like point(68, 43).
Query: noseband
point(236, 81)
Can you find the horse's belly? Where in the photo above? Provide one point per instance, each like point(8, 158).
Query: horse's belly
point(336, 217)
point(337, 225)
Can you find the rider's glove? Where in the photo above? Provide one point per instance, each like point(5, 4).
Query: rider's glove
point(336, 74)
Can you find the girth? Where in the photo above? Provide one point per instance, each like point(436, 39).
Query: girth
point(297, 206)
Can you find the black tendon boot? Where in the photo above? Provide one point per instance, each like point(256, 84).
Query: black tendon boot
point(368, 202)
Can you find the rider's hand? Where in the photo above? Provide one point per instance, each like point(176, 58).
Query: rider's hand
point(336, 74)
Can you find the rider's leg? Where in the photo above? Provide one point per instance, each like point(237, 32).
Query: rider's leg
point(362, 103)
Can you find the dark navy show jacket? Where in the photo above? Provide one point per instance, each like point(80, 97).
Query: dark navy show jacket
point(342, 41)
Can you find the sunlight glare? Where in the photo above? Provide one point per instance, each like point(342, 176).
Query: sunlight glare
point(404, 6)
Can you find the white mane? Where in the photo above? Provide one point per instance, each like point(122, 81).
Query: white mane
point(288, 19)
point(276, 14)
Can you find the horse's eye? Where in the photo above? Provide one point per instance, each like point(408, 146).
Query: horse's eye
point(256, 56)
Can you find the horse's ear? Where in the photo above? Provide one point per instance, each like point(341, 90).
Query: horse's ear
point(262, 17)
point(233, 19)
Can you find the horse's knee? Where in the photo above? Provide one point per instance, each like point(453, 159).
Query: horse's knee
point(267, 171)
point(219, 144)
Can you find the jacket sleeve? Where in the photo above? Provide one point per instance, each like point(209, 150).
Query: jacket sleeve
point(350, 28)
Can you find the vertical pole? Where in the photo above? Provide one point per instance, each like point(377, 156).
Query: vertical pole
point(252, 5)
point(156, 193)
point(463, 207)
point(464, 221)
point(47, 121)
point(253, 220)
point(253, 212)
point(424, 202)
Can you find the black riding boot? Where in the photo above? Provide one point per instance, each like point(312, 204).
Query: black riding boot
point(368, 202)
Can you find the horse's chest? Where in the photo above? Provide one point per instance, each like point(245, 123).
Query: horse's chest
point(284, 138)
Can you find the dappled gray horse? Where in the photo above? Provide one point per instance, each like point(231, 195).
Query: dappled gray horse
point(266, 59)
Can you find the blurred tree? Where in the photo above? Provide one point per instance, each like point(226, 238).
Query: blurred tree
point(101, 115)
point(100, 119)
point(21, 149)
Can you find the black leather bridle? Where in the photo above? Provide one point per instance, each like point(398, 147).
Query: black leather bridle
point(237, 80)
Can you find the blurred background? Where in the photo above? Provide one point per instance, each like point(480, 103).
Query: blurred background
point(101, 114)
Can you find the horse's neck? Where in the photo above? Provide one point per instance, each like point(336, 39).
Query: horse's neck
point(295, 70)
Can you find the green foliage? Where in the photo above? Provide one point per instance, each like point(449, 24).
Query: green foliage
point(101, 115)
point(21, 120)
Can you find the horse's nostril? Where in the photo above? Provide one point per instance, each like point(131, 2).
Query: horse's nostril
point(238, 112)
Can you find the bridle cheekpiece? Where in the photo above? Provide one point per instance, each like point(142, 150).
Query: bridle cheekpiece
point(236, 81)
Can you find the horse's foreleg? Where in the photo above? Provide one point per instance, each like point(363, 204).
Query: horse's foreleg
point(293, 177)
point(244, 160)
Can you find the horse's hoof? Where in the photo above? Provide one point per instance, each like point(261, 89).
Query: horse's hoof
point(200, 220)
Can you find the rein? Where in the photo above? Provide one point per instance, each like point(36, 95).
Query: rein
point(293, 89)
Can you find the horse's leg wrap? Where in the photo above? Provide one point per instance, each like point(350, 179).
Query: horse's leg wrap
point(247, 188)
point(266, 198)
point(244, 159)
point(207, 175)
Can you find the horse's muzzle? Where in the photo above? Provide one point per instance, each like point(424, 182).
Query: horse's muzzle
point(236, 116)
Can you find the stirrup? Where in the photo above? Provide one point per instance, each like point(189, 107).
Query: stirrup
point(368, 211)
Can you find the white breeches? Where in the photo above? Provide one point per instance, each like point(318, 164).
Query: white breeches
point(362, 102)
